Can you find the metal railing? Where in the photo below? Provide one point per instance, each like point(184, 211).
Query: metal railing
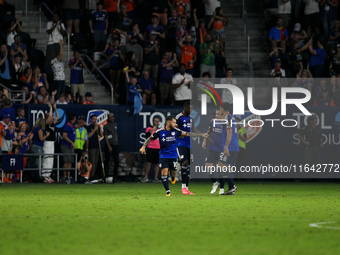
point(246, 32)
point(40, 164)
point(101, 73)
point(15, 94)
point(47, 20)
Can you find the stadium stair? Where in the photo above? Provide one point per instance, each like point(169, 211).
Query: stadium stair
point(30, 24)
point(236, 45)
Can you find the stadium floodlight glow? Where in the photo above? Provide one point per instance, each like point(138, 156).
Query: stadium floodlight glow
point(238, 100)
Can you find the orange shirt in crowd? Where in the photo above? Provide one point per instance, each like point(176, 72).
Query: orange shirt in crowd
point(218, 24)
point(87, 102)
point(110, 5)
point(188, 53)
point(180, 6)
point(129, 5)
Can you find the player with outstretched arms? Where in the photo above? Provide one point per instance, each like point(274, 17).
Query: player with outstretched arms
point(220, 134)
point(168, 148)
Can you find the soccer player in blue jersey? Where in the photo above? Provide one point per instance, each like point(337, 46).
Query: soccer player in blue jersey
point(168, 151)
point(185, 123)
point(233, 149)
point(220, 134)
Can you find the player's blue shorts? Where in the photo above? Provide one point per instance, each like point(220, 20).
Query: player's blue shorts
point(183, 153)
point(212, 156)
point(170, 163)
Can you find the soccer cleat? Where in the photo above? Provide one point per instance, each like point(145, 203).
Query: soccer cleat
point(168, 194)
point(185, 191)
point(234, 189)
point(144, 180)
point(190, 193)
point(214, 187)
point(228, 193)
point(173, 179)
point(221, 192)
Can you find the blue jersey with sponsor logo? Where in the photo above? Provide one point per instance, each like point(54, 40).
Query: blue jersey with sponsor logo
point(77, 72)
point(167, 141)
point(184, 123)
point(218, 135)
point(233, 146)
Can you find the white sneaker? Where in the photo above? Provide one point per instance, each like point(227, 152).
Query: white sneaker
point(214, 187)
point(221, 192)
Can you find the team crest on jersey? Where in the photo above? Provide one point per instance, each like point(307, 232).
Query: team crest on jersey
point(255, 125)
point(173, 133)
point(182, 156)
point(160, 165)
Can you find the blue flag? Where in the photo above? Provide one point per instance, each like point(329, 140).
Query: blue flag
point(138, 102)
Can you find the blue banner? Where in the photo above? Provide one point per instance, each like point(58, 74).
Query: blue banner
point(270, 140)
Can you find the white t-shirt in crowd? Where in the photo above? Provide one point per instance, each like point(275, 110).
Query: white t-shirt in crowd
point(210, 6)
point(182, 92)
point(311, 7)
point(55, 36)
point(284, 8)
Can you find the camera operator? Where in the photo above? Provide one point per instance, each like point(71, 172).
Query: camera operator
point(84, 168)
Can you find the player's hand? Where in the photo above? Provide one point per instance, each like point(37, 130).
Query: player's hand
point(96, 127)
point(204, 144)
point(73, 145)
point(110, 149)
point(142, 150)
point(205, 135)
point(226, 152)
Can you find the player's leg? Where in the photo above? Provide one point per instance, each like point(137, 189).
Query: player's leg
point(222, 164)
point(231, 161)
point(221, 179)
point(210, 161)
point(164, 166)
point(188, 154)
point(183, 159)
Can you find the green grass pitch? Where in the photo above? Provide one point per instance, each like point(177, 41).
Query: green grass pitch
point(135, 218)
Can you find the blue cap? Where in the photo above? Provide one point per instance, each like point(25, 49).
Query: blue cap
point(7, 116)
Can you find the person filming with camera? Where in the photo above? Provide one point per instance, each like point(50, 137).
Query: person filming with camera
point(84, 168)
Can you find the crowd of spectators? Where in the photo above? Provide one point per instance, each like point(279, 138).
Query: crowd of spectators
point(305, 44)
point(127, 40)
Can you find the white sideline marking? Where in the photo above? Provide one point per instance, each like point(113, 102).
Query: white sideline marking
point(322, 225)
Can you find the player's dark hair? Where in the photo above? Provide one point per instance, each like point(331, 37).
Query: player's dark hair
point(187, 104)
point(93, 115)
point(169, 118)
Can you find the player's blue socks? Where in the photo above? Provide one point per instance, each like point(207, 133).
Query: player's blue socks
point(184, 174)
point(165, 182)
